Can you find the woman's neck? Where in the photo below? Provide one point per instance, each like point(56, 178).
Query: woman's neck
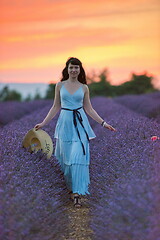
point(72, 80)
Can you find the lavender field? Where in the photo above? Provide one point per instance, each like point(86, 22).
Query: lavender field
point(12, 110)
point(145, 104)
point(124, 172)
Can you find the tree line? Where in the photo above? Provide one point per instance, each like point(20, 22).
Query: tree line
point(138, 84)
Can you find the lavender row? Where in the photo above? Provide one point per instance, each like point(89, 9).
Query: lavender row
point(34, 194)
point(146, 104)
point(124, 175)
point(12, 110)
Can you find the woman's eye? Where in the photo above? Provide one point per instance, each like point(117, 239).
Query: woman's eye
point(74, 67)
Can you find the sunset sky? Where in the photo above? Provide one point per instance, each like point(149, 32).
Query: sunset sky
point(38, 36)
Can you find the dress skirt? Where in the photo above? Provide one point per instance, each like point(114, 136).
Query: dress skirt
point(74, 164)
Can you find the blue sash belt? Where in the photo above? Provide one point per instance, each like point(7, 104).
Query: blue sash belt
point(78, 114)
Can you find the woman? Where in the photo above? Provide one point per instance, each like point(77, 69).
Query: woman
point(73, 131)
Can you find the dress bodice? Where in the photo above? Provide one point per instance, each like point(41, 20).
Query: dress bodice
point(74, 100)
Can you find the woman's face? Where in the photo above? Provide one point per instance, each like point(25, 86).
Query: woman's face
point(73, 70)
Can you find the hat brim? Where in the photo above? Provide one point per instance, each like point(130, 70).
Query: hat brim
point(36, 140)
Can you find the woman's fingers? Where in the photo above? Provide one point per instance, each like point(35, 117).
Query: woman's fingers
point(110, 128)
point(113, 129)
point(37, 126)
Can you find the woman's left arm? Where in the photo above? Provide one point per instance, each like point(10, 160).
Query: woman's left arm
point(91, 112)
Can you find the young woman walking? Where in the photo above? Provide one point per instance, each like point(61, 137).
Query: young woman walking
point(73, 131)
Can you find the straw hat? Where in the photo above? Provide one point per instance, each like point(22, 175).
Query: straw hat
point(38, 140)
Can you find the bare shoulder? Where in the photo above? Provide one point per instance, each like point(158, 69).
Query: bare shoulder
point(85, 88)
point(58, 85)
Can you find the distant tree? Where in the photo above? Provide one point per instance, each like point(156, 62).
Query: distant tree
point(138, 84)
point(28, 98)
point(4, 93)
point(101, 87)
point(9, 95)
point(50, 91)
point(142, 83)
point(37, 95)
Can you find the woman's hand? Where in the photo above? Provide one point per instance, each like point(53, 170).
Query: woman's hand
point(39, 125)
point(106, 125)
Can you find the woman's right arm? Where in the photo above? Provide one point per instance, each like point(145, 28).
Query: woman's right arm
point(54, 109)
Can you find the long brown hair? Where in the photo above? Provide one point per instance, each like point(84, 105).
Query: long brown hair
point(81, 76)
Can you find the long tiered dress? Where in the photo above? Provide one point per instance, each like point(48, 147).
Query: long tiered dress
point(73, 133)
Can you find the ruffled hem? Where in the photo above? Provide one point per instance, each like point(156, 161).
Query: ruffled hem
point(76, 177)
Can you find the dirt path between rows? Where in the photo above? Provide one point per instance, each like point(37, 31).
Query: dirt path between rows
point(79, 218)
